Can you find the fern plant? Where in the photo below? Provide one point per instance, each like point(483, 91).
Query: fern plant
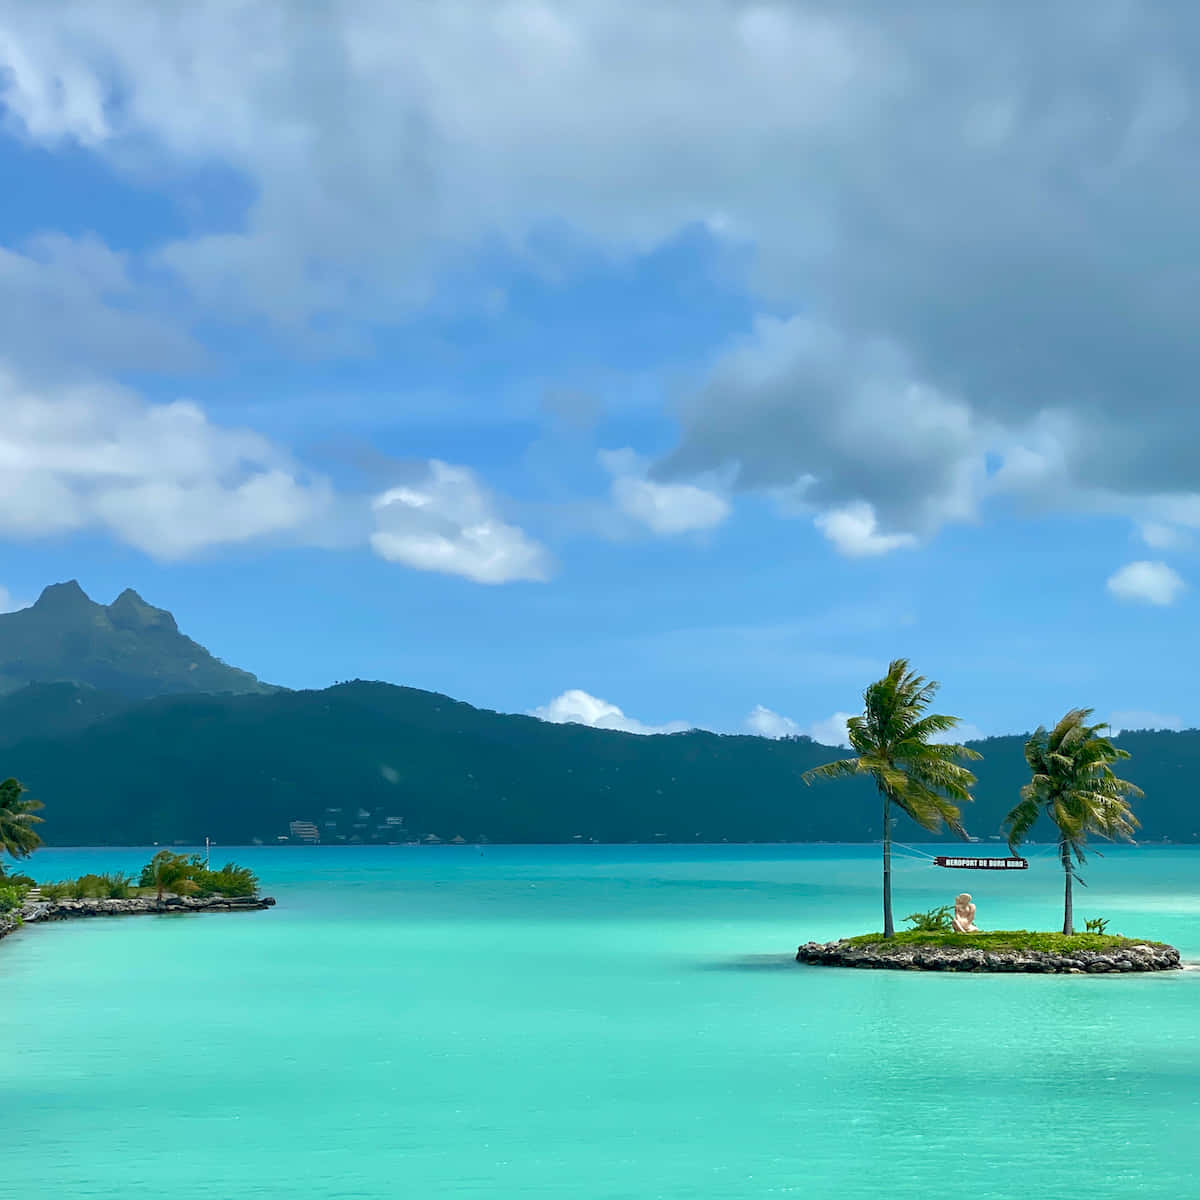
point(935, 920)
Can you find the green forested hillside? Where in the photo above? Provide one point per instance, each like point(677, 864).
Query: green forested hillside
point(237, 768)
point(51, 710)
point(128, 647)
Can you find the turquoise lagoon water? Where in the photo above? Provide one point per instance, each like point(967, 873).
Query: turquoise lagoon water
point(592, 1022)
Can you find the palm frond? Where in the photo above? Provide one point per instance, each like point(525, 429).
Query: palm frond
point(1020, 820)
point(834, 770)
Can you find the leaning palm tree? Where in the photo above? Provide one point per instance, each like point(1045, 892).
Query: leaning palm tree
point(1075, 786)
point(892, 742)
point(165, 871)
point(17, 820)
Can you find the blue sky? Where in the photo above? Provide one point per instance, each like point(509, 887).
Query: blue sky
point(610, 362)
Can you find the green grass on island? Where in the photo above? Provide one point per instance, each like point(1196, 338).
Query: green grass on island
point(1002, 940)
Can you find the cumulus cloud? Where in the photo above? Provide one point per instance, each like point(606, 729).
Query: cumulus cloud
point(578, 707)
point(445, 520)
point(664, 508)
point(1146, 583)
point(7, 602)
point(831, 731)
point(167, 480)
point(854, 531)
point(839, 428)
point(160, 477)
point(767, 723)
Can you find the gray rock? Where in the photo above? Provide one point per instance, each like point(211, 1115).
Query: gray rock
point(968, 958)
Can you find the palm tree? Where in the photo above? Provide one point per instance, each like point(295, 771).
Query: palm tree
point(165, 870)
point(17, 819)
point(912, 773)
point(1075, 786)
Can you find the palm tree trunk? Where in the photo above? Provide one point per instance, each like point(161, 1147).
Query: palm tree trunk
point(888, 928)
point(1068, 909)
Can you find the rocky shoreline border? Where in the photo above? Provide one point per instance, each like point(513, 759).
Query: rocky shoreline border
point(41, 911)
point(881, 957)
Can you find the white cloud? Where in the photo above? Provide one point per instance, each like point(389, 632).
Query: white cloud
point(664, 508)
point(1163, 537)
point(167, 480)
point(1146, 583)
point(1141, 719)
point(7, 602)
point(854, 532)
point(578, 707)
point(831, 731)
point(767, 723)
point(160, 477)
point(446, 521)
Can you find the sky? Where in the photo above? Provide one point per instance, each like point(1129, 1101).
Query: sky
point(634, 362)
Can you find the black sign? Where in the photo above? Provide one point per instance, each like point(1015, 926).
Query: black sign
point(982, 864)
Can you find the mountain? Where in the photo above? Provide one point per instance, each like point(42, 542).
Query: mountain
point(372, 762)
point(128, 647)
point(50, 710)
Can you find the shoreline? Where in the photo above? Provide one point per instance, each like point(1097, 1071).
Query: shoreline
point(43, 911)
point(1140, 957)
point(447, 844)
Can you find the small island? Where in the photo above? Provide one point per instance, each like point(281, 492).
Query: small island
point(168, 883)
point(995, 950)
point(903, 748)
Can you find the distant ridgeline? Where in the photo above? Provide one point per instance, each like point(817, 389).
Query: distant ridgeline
point(372, 762)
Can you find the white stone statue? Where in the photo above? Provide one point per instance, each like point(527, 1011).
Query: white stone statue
point(964, 915)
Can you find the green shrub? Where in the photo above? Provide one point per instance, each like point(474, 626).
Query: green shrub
point(936, 920)
point(1096, 925)
point(230, 880)
point(82, 887)
point(115, 885)
point(11, 897)
point(58, 891)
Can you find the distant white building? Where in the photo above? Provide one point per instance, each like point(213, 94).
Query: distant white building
point(304, 831)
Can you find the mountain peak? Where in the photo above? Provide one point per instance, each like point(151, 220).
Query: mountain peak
point(128, 647)
point(130, 611)
point(64, 598)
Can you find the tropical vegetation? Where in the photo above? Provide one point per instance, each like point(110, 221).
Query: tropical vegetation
point(189, 875)
point(1073, 783)
point(18, 816)
point(178, 874)
point(913, 774)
